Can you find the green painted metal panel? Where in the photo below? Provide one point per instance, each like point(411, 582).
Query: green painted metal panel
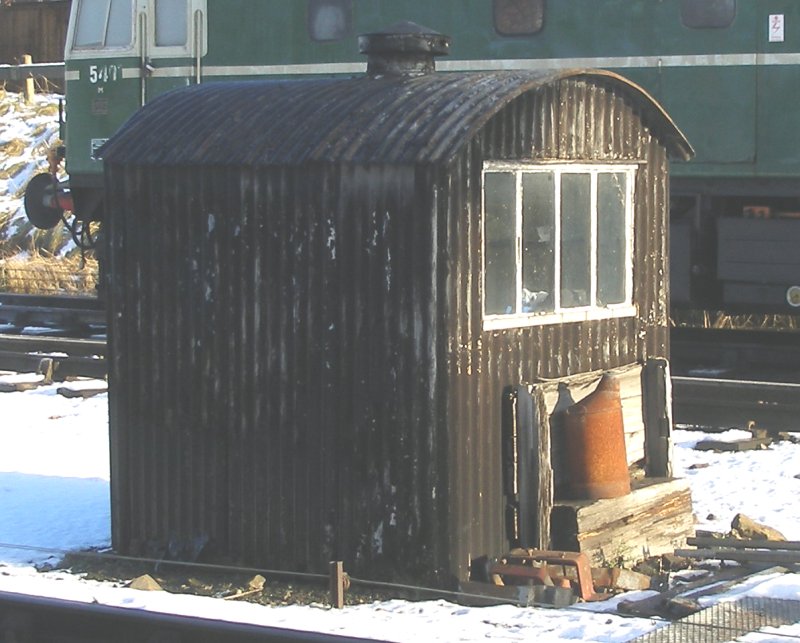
point(778, 91)
point(740, 116)
point(98, 102)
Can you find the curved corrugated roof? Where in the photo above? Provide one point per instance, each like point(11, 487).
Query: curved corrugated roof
point(389, 120)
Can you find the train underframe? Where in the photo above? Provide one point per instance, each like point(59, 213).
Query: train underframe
point(734, 247)
point(735, 293)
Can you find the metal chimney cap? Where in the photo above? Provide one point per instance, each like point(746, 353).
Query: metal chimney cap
point(404, 49)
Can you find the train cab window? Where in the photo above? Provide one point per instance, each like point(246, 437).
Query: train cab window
point(698, 14)
point(330, 19)
point(518, 17)
point(558, 244)
point(103, 23)
point(171, 23)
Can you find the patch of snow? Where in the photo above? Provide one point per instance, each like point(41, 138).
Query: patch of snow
point(54, 493)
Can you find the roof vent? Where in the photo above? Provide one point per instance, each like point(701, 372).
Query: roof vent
point(404, 49)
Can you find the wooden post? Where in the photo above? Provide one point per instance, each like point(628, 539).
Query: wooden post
point(529, 487)
point(27, 59)
point(657, 398)
point(337, 584)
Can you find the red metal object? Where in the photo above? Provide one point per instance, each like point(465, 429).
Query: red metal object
point(520, 564)
point(64, 200)
point(596, 458)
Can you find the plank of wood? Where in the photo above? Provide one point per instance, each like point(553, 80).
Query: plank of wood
point(748, 444)
point(739, 555)
point(738, 543)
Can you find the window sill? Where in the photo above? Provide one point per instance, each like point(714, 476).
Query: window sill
point(505, 322)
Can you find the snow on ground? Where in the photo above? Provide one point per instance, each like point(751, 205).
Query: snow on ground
point(761, 484)
point(26, 133)
point(54, 493)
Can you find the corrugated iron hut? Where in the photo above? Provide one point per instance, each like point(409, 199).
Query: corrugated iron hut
point(322, 292)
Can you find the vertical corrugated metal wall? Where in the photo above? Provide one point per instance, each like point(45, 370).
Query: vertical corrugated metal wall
point(299, 370)
point(571, 120)
point(275, 345)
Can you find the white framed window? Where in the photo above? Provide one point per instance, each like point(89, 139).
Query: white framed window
point(557, 243)
point(175, 28)
point(103, 24)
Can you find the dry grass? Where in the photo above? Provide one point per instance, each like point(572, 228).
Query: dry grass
point(12, 171)
point(14, 147)
point(719, 319)
point(41, 274)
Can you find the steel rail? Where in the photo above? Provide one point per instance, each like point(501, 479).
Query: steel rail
point(712, 402)
point(50, 311)
point(35, 618)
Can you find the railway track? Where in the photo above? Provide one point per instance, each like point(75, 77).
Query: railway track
point(720, 377)
point(57, 315)
point(57, 337)
point(736, 378)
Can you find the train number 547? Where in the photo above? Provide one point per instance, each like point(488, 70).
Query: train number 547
point(103, 73)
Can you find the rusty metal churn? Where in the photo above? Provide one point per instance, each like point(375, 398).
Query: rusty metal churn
point(597, 464)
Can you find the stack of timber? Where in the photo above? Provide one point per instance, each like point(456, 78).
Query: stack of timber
point(751, 551)
point(655, 518)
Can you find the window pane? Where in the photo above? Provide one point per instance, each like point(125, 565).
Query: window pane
point(538, 242)
point(518, 17)
point(611, 194)
point(171, 29)
point(330, 19)
point(500, 239)
point(576, 240)
point(707, 13)
point(90, 27)
point(120, 24)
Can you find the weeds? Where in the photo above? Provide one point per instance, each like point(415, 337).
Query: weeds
point(43, 274)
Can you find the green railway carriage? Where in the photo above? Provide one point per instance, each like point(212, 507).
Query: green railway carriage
point(727, 71)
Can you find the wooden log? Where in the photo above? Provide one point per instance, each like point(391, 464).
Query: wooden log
point(655, 518)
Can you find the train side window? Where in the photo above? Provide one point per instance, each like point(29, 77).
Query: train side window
point(103, 23)
point(171, 23)
point(330, 19)
point(557, 244)
point(518, 17)
point(715, 14)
